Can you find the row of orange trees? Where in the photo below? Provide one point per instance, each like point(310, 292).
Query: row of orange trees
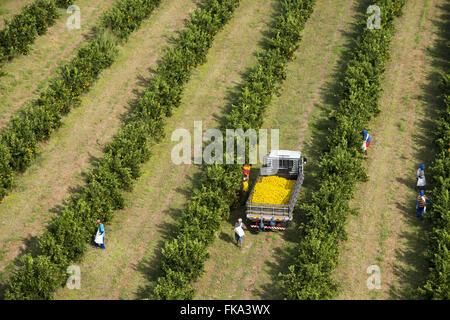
point(36, 122)
point(68, 235)
point(437, 285)
point(340, 166)
point(25, 27)
point(183, 257)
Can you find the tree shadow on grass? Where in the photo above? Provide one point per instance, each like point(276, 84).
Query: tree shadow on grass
point(226, 237)
point(150, 266)
point(167, 230)
point(410, 183)
point(31, 245)
point(330, 94)
point(412, 256)
point(89, 36)
point(263, 43)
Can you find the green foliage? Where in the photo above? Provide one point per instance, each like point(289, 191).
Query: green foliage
point(128, 15)
point(316, 256)
point(174, 286)
point(184, 255)
point(64, 232)
point(25, 27)
point(265, 78)
point(341, 164)
point(6, 172)
point(437, 285)
point(36, 280)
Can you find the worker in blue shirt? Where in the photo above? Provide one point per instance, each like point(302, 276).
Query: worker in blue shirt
point(421, 201)
point(100, 237)
point(366, 140)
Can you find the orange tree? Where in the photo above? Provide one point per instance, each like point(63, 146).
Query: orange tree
point(25, 27)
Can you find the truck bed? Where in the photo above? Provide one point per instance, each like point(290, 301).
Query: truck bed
point(274, 212)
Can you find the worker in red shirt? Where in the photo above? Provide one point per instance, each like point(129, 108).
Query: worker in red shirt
point(246, 170)
point(245, 181)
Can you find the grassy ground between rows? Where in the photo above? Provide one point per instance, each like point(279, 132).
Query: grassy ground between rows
point(9, 8)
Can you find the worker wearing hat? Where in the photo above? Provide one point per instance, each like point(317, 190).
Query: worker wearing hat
point(239, 227)
point(420, 177)
point(422, 199)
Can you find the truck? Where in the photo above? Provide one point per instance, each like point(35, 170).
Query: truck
point(265, 216)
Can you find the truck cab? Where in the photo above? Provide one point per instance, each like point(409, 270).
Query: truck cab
point(285, 164)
